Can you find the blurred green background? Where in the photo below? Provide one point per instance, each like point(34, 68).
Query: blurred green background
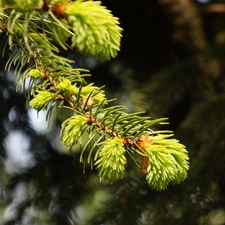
point(171, 64)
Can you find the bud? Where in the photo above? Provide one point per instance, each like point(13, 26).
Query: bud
point(98, 98)
point(168, 162)
point(88, 101)
point(65, 87)
point(97, 30)
point(97, 95)
point(72, 129)
point(25, 5)
point(143, 141)
point(111, 162)
point(41, 100)
point(35, 74)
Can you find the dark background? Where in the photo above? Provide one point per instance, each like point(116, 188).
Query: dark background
point(171, 64)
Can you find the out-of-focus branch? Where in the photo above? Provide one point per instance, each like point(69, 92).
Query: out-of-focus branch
point(189, 32)
point(214, 8)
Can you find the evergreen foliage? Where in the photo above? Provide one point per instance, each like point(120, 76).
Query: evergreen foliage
point(171, 65)
point(94, 31)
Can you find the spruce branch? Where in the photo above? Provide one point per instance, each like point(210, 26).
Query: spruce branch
point(113, 133)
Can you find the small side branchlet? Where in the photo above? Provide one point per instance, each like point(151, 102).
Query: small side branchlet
point(65, 87)
point(111, 161)
point(72, 129)
point(42, 100)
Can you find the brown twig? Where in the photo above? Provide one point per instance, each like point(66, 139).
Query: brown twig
point(214, 8)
